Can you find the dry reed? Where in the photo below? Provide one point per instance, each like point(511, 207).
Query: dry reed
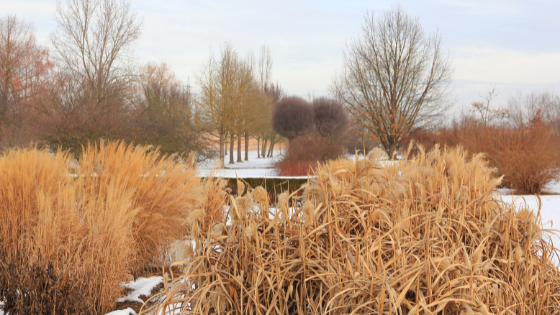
point(425, 236)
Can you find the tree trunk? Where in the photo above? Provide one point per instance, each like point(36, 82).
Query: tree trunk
point(226, 145)
point(271, 148)
point(392, 150)
point(258, 148)
point(239, 159)
point(263, 148)
point(246, 146)
point(221, 147)
point(231, 140)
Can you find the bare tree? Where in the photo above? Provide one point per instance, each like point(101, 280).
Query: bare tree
point(394, 77)
point(162, 114)
point(522, 108)
point(24, 70)
point(94, 41)
point(264, 74)
point(228, 89)
point(484, 112)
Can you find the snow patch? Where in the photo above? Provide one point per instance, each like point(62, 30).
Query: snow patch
point(127, 311)
point(142, 286)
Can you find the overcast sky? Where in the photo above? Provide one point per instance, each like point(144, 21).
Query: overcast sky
point(512, 44)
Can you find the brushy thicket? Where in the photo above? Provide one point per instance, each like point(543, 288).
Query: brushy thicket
point(305, 152)
point(423, 237)
point(529, 158)
point(67, 242)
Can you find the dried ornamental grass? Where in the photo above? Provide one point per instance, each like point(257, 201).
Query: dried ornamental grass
point(426, 236)
point(165, 189)
point(64, 248)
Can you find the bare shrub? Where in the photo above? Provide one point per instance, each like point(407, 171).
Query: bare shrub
point(330, 117)
point(304, 153)
point(528, 157)
point(292, 117)
point(426, 236)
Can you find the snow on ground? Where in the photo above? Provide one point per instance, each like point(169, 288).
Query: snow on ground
point(253, 168)
point(127, 311)
point(550, 207)
point(141, 286)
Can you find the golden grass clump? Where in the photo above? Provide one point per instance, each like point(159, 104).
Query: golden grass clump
point(66, 247)
point(165, 190)
point(72, 231)
point(424, 236)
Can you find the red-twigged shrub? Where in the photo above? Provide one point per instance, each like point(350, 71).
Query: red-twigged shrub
point(305, 152)
point(529, 159)
point(288, 167)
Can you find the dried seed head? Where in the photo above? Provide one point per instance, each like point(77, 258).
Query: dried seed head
point(244, 204)
point(249, 231)
point(308, 212)
point(283, 204)
point(196, 215)
point(377, 154)
point(240, 188)
point(260, 195)
point(518, 253)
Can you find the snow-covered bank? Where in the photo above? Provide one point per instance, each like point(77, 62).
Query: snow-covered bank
point(141, 286)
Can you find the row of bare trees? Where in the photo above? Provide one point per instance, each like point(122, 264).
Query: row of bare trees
point(88, 87)
point(236, 100)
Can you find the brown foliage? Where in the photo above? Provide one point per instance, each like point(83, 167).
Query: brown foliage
point(292, 117)
point(426, 236)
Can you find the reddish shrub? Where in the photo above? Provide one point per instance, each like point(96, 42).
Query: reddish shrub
point(528, 157)
point(288, 167)
point(314, 149)
point(305, 152)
